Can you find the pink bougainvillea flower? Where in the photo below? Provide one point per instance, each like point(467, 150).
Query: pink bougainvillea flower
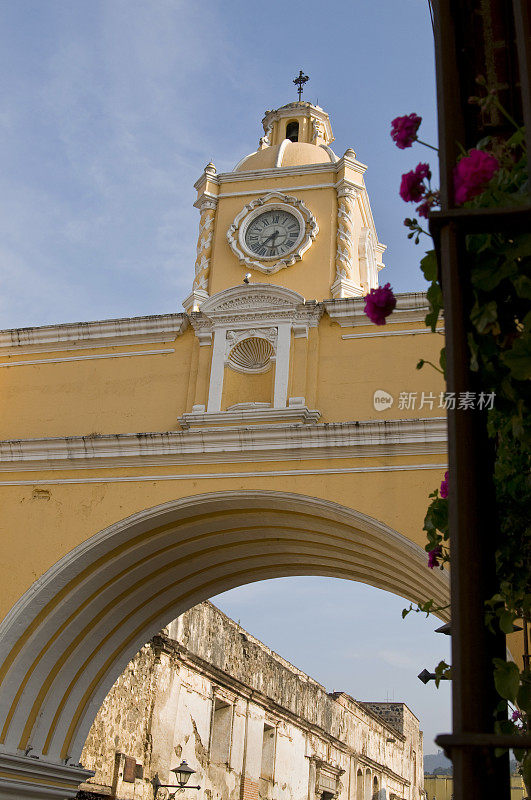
point(472, 174)
point(432, 198)
point(434, 556)
point(412, 188)
point(379, 303)
point(404, 130)
point(424, 209)
point(444, 487)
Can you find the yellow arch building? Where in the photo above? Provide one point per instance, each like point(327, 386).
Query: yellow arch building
point(270, 430)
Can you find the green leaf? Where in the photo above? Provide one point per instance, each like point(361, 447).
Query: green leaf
point(436, 518)
point(488, 275)
point(526, 770)
point(518, 358)
point(483, 316)
point(523, 698)
point(482, 144)
point(434, 298)
point(521, 247)
point(507, 621)
point(506, 679)
point(428, 266)
point(522, 284)
point(517, 138)
point(474, 352)
point(442, 360)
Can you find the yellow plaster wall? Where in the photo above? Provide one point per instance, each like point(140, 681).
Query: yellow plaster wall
point(441, 788)
point(351, 370)
point(241, 387)
point(104, 395)
point(149, 393)
point(311, 277)
point(42, 522)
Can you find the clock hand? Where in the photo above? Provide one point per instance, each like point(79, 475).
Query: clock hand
point(274, 234)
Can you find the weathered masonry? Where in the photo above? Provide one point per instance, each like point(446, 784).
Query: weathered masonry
point(253, 726)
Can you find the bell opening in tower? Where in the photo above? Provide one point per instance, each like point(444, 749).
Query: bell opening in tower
point(292, 131)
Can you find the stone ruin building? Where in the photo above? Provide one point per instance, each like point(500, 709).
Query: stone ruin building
point(251, 725)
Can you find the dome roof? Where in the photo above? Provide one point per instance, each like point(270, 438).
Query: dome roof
point(287, 154)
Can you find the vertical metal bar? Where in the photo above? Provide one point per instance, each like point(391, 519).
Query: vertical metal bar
point(522, 24)
point(527, 662)
point(451, 123)
point(473, 527)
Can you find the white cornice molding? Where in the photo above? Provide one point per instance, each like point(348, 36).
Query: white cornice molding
point(88, 335)
point(349, 312)
point(271, 442)
point(252, 416)
point(28, 778)
point(255, 305)
point(282, 172)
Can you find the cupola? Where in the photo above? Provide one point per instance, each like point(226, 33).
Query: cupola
point(294, 134)
point(299, 122)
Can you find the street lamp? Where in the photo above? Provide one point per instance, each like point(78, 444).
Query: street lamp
point(182, 775)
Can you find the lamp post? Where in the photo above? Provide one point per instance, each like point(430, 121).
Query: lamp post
point(182, 775)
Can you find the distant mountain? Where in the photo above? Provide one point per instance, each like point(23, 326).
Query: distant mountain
point(437, 761)
point(438, 764)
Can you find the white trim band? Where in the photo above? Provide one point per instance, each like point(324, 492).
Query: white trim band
point(273, 442)
point(211, 475)
point(390, 333)
point(87, 358)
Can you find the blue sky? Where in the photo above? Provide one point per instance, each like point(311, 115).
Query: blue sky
point(109, 111)
point(350, 637)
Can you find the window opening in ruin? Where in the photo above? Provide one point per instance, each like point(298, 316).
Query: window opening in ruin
point(220, 731)
point(267, 768)
point(327, 795)
point(359, 785)
point(375, 791)
point(368, 784)
point(292, 131)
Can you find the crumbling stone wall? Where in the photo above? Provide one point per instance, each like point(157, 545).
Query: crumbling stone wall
point(161, 710)
point(123, 721)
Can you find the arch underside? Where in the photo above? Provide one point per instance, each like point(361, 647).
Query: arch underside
point(71, 635)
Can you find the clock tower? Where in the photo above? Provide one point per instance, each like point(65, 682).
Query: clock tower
point(268, 430)
point(291, 214)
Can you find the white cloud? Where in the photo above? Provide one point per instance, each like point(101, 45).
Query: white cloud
point(398, 658)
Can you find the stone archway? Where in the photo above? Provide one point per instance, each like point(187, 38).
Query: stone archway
point(69, 637)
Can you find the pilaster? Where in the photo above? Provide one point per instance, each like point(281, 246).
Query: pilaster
point(206, 202)
point(299, 365)
point(280, 397)
point(312, 369)
point(347, 283)
point(215, 389)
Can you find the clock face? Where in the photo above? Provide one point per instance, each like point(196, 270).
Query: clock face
point(273, 233)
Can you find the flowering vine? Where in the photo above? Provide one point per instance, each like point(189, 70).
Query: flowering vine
point(493, 174)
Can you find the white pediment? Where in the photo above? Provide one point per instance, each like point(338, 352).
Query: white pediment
point(251, 298)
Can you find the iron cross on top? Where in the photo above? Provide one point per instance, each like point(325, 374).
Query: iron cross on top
point(300, 81)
